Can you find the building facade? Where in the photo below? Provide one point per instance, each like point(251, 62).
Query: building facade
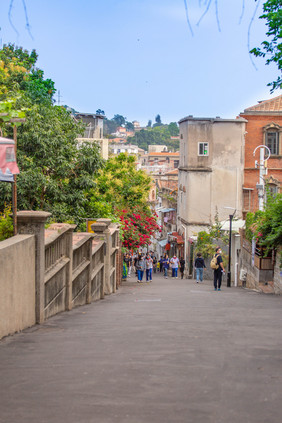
point(263, 127)
point(211, 172)
point(94, 131)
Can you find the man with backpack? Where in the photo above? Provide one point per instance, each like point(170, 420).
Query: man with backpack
point(217, 266)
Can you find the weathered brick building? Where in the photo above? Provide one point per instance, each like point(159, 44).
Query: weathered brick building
point(263, 127)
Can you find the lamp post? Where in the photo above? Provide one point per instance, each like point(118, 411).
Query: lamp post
point(229, 253)
point(262, 172)
point(231, 216)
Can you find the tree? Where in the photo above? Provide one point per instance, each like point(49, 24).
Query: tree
point(129, 126)
point(119, 119)
point(272, 49)
point(158, 135)
point(55, 173)
point(121, 193)
point(110, 126)
point(158, 121)
point(149, 124)
point(100, 112)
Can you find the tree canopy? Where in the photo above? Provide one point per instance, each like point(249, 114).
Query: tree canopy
point(158, 135)
point(121, 193)
point(272, 48)
point(55, 172)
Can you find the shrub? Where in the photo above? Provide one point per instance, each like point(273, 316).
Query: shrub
point(6, 224)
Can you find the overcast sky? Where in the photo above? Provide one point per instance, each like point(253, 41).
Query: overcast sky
point(138, 58)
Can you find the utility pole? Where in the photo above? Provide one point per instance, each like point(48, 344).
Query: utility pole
point(262, 172)
point(59, 97)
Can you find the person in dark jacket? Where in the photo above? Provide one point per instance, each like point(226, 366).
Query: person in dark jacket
point(199, 265)
point(182, 266)
point(218, 272)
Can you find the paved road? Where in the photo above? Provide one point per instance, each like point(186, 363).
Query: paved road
point(168, 352)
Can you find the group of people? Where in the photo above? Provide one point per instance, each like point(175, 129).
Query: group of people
point(147, 264)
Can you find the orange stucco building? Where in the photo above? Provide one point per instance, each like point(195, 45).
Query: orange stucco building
point(263, 127)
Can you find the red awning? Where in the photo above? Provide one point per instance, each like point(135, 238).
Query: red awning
point(179, 239)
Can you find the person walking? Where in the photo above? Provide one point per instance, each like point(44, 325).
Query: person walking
point(217, 276)
point(165, 261)
point(149, 268)
point(161, 263)
point(182, 266)
point(140, 266)
point(155, 262)
point(199, 265)
point(174, 261)
point(129, 264)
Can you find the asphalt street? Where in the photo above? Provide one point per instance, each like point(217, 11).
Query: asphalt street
point(170, 351)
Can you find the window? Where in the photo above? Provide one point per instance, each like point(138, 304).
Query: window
point(203, 149)
point(273, 190)
point(272, 142)
point(10, 154)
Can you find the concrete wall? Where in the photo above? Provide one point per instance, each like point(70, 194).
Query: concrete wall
point(17, 284)
point(255, 276)
point(277, 278)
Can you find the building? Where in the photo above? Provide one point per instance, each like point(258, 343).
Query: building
point(94, 125)
point(93, 131)
point(263, 127)
point(160, 162)
point(123, 148)
point(157, 148)
point(210, 172)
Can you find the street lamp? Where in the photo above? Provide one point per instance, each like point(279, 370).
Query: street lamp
point(231, 216)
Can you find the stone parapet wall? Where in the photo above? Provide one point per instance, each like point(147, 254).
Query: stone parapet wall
point(44, 272)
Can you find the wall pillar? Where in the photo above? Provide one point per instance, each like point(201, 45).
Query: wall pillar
point(33, 222)
point(99, 229)
point(69, 254)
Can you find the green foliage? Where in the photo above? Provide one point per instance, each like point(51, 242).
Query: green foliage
point(6, 223)
point(265, 225)
point(272, 49)
point(55, 172)
point(119, 119)
point(110, 126)
point(158, 121)
point(208, 241)
point(158, 135)
point(120, 184)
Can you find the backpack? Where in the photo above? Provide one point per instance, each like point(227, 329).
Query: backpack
point(214, 264)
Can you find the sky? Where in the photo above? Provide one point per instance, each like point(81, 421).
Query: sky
point(139, 58)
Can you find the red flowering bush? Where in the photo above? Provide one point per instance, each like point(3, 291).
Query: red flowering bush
point(138, 226)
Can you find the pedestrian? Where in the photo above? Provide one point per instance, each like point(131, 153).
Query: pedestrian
point(140, 266)
point(182, 267)
point(124, 271)
point(217, 275)
point(199, 265)
point(129, 263)
point(158, 265)
point(165, 260)
point(149, 268)
point(127, 260)
point(155, 262)
point(161, 264)
point(174, 261)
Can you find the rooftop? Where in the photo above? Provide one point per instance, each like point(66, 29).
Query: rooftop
point(272, 105)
